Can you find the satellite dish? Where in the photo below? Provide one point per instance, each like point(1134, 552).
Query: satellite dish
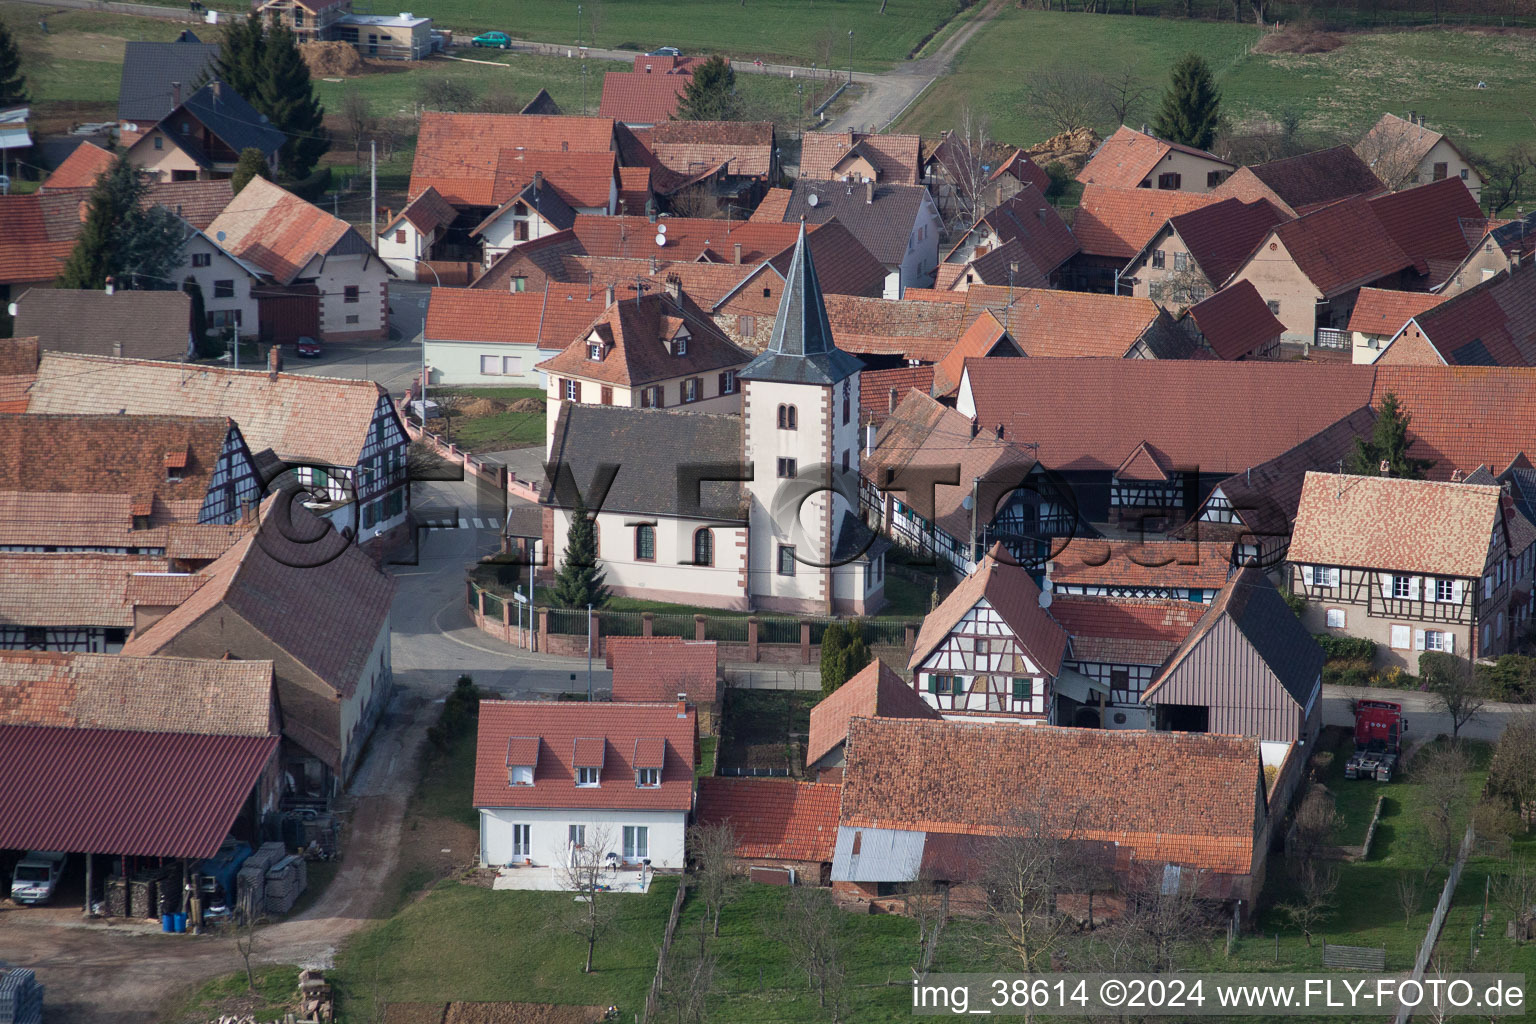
point(661, 229)
point(219, 235)
point(661, 239)
point(966, 503)
point(1045, 599)
point(812, 199)
point(132, 127)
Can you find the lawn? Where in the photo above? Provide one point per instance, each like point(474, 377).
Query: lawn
point(466, 942)
point(1338, 94)
point(395, 87)
point(80, 58)
point(496, 431)
point(766, 729)
point(276, 990)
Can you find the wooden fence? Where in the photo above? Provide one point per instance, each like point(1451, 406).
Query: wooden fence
point(1437, 921)
point(654, 995)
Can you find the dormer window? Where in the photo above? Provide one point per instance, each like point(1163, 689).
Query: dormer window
point(587, 776)
point(522, 756)
point(520, 775)
point(588, 760)
point(648, 778)
point(680, 345)
point(595, 351)
point(173, 475)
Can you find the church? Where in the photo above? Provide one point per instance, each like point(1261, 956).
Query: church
point(755, 510)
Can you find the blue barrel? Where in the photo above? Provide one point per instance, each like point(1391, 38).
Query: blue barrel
point(166, 923)
point(179, 923)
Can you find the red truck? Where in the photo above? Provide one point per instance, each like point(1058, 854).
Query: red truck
point(1379, 727)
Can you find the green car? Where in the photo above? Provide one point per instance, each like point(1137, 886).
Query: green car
point(496, 40)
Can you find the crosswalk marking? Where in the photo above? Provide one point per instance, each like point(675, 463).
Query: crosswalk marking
point(463, 524)
point(479, 525)
point(495, 524)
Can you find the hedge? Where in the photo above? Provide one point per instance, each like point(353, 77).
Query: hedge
point(1345, 648)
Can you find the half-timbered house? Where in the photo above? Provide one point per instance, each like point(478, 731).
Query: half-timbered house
point(342, 438)
point(990, 650)
point(875, 691)
point(1164, 570)
point(1120, 643)
point(77, 601)
point(1414, 565)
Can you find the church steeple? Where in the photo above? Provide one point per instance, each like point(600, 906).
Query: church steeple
point(801, 350)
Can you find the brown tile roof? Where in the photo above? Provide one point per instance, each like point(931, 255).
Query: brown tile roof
point(1031, 220)
point(843, 265)
point(635, 188)
point(637, 335)
point(1091, 414)
point(706, 283)
point(875, 387)
point(1054, 323)
point(74, 589)
point(1220, 237)
point(1313, 180)
point(110, 455)
point(1125, 631)
point(550, 319)
point(1492, 323)
point(1383, 311)
point(201, 541)
point(1173, 564)
point(196, 202)
point(1428, 222)
point(1236, 320)
point(686, 147)
point(277, 231)
point(773, 819)
point(80, 169)
point(640, 98)
point(1342, 246)
point(18, 369)
point(978, 342)
point(111, 691)
point(1008, 588)
point(427, 212)
point(459, 154)
point(301, 418)
point(558, 728)
point(771, 210)
point(136, 324)
point(866, 325)
point(1464, 416)
point(35, 518)
point(874, 692)
point(687, 237)
point(37, 234)
point(327, 616)
point(1393, 524)
point(1128, 157)
point(659, 668)
point(1182, 798)
point(1118, 222)
point(895, 157)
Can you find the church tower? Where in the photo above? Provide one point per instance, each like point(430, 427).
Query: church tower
point(800, 412)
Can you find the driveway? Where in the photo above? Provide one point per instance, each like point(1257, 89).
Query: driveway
point(1425, 719)
point(394, 363)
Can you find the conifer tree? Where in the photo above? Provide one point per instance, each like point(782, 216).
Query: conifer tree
point(1192, 105)
point(287, 96)
point(251, 165)
point(137, 247)
point(13, 84)
point(579, 581)
point(242, 57)
point(711, 94)
point(1387, 443)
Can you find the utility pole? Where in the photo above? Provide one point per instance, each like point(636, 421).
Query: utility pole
point(578, 26)
point(850, 56)
point(589, 653)
point(975, 496)
point(373, 194)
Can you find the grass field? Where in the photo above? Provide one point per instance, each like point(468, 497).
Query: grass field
point(276, 987)
point(1342, 92)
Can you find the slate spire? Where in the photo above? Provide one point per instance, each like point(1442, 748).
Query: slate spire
point(801, 350)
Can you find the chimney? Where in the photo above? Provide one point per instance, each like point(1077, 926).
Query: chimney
point(869, 190)
point(218, 90)
point(274, 361)
point(608, 296)
point(653, 264)
point(675, 287)
point(869, 438)
point(538, 181)
point(975, 427)
point(1455, 476)
point(110, 286)
point(891, 400)
point(999, 431)
point(175, 94)
point(682, 705)
point(736, 253)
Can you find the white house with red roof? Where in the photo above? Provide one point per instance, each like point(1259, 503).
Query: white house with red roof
point(551, 778)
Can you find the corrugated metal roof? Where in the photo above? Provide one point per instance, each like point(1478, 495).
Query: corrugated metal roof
point(138, 794)
point(877, 854)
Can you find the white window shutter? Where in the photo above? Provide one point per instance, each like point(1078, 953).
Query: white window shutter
point(1400, 637)
point(1450, 641)
point(1386, 586)
point(1307, 574)
point(1414, 587)
point(1418, 639)
point(1456, 591)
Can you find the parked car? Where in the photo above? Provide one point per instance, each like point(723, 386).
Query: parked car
point(36, 876)
point(496, 40)
point(665, 51)
point(308, 347)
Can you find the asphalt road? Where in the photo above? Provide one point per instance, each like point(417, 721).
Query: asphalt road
point(1425, 720)
point(395, 363)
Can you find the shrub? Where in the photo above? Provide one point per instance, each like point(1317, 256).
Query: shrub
point(1296, 602)
point(1511, 678)
point(1061, 176)
point(460, 713)
point(1345, 648)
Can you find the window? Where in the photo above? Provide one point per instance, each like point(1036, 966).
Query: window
point(786, 469)
point(349, 293)
point(728, 382)
point(576, 835)
point(942, 684)
point(691, 389)
point(845, 461)
point(847, 400)
point(1401, 638)
point(522, 841)
point(573, 391)
point(645, 543)
point(1440, 171)
point(519, 284)
point(788, 417)
point(400, 236)
point(1335, 618)
point(1023, 689)
point(1169, 180)
point(637, 842)
point(1181, 261)
point(786, 560)
point(746, 326)
point(595, 351)
point(1434, 640)
point(490, 365)
point(201, 259)
point(703, 547)
point(605, 395)
point(652, 398)
point(1445, 590)
point(522, 775)
point(1212, 179)
point(1402, 586)
point(1274, 307)
point(586, 776)
point(1463, 174)
point(767, 293)
point(298, 18)
point(352, 319)
point(1157, 259)
point(680, 345)
point(512, 364)
point(223, 318)
point(1319, 576)
point(224, 289)
point(648, 778)
point(159, 142)
point(1500, 620)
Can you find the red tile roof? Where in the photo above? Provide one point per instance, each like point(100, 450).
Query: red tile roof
point(277, 231)
point(585, 180)
point(687, 237)
point(459, 154)
point(1236, 321)
point(1126, 631)
point(686, 147)
point(1128, 157)
point(874, 692)
point(637, 335)
point(37, 234)
point(1182, 798)
point(427, 212)
point(1492, 323)
point(550, 319)
point(1384, 312)
point(773, 819)
point(80, 169)
point(558, 726)
point(637, 98)
point(1464, 416)
point(1008, 588)
point(659, 668)
point(1117, 222)
point(1340, 247)
point(875, 387)
point(1301, 184)
point(773, 207)
point(137, 794)
point(635, 188)
point(1428, 222)
point(978, 342)
point(1173, 564)
point(895, 157)
point(1220, 237)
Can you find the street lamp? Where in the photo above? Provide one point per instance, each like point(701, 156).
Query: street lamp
point(439, 280)
point(850, 56)
point(578, 26)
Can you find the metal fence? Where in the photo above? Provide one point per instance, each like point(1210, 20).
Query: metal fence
point(675, 624)
point(568, 621)
point(620, 623)
point(778, 631)
point(493, 605)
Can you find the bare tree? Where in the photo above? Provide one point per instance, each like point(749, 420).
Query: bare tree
point(593, 912)
point(1124, 92)
point(1408, 897)
point(1455, 688)
point(713, 851)
point(1512, 772)
point(357, 115)
point(1504, 179)
point(1069, 99)
point(817, 934)
point(446, 94)
point(245, 944)
point(694, 201)
point(1179, 289)
point(1316, 886)
point(965, 161)
point(928, 906)
point(686, 986)
point(1514, 891)
point(1442, 772)
point(1316, 821)
point(1391, 152)
point(500, 98)
point(1163, 913)
point(1029, 864)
